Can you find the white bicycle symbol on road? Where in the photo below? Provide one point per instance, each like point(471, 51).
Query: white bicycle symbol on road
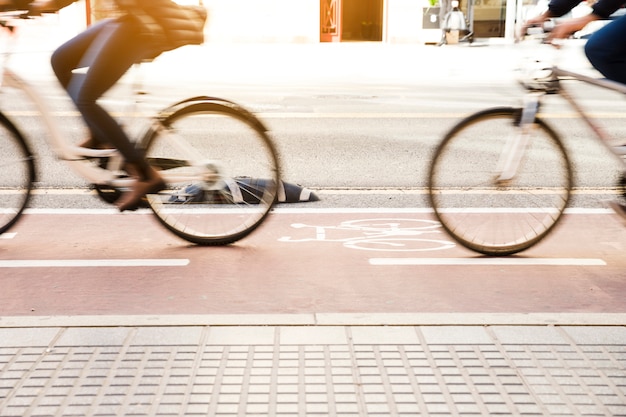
point(391, 235)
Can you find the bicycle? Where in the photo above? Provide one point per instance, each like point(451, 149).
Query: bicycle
point(501, 178)
point(218, 161)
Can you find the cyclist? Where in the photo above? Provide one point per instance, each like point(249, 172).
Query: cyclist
point(144, 29)
point(605, 49)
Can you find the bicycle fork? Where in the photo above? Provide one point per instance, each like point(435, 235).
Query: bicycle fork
point(514, 148)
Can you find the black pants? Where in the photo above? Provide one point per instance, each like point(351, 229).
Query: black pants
point(606, 49)
point(107, 50)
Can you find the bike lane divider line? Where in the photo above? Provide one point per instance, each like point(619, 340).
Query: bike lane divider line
point(92, 263)
point(308, 210)
point(487, 261)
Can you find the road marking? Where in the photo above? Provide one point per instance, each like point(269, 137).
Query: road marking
point(338, 115)
point(351, 191)
point(285, 209)
point(425, 210)
point(7, 236)
point(487, 261)
point(91, 263)
point(420, 115)
point(486, 191)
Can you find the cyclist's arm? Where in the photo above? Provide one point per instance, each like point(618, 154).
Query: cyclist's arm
point(600, 10)
point(49, 6)
point(605, 8)
point(556, 8)
point(566, 28)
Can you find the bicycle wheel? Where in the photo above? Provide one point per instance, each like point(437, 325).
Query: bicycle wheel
point(490, 216)
point(220, 167)
point(17, 174)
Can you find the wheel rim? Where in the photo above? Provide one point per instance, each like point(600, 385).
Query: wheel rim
point(485, 215)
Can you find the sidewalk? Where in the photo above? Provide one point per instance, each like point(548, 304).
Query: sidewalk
point(313, 365)
point(334, 63)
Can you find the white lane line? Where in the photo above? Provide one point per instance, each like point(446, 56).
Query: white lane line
point(280, 209)
point(289, 210)
point(342, 115)
point(305, 210)
point(347, 191)
point(8, 236)
point(80, 212)
point(487, 261)
point(90, 263)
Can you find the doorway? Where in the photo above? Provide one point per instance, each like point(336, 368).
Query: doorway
point(351, 20)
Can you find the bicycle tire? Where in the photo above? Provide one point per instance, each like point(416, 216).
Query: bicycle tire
point(221, 169)
point(17, 174)
point(486, 216)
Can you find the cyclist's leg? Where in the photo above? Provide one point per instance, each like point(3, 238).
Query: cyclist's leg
point(107, 51)
point(70, 56)
point(67, 57)
point(606, 50)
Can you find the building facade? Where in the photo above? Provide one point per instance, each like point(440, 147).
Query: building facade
point(312, 21)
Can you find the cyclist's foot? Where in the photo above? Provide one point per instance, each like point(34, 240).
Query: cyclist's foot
point(131, 200)
point(619, 207)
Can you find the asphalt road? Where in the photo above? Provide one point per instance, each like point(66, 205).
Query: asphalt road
point(345, 117)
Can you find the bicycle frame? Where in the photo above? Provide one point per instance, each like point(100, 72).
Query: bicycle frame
point(74, 156)
point(78, 158)
point(512, 154)
point(604, 83)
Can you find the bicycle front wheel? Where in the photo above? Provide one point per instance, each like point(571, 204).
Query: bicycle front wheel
point(480, 210)
point(17, 173)
point(221, 171)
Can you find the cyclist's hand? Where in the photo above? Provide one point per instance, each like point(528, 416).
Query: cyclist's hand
point(567, 28)
point(535, 22)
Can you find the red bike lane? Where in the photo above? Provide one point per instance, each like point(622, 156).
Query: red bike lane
point(303, 261)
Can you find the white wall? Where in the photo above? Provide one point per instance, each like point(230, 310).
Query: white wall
point(404, 21)
point(263, 21)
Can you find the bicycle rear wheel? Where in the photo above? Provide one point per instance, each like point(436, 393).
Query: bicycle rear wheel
point(17, 174)
point(490, 216)
point(221, 171)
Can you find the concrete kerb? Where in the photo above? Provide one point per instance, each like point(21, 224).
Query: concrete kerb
point(321, 320)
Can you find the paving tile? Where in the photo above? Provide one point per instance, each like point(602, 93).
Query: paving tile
point(31, 337)
point(313, 335)
point(242, 335)
point(86, 336)
point(384, 335)
point(529, 335)
point(267, 371)
point(597, 335)
point(155, 336)
point(455, 335)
